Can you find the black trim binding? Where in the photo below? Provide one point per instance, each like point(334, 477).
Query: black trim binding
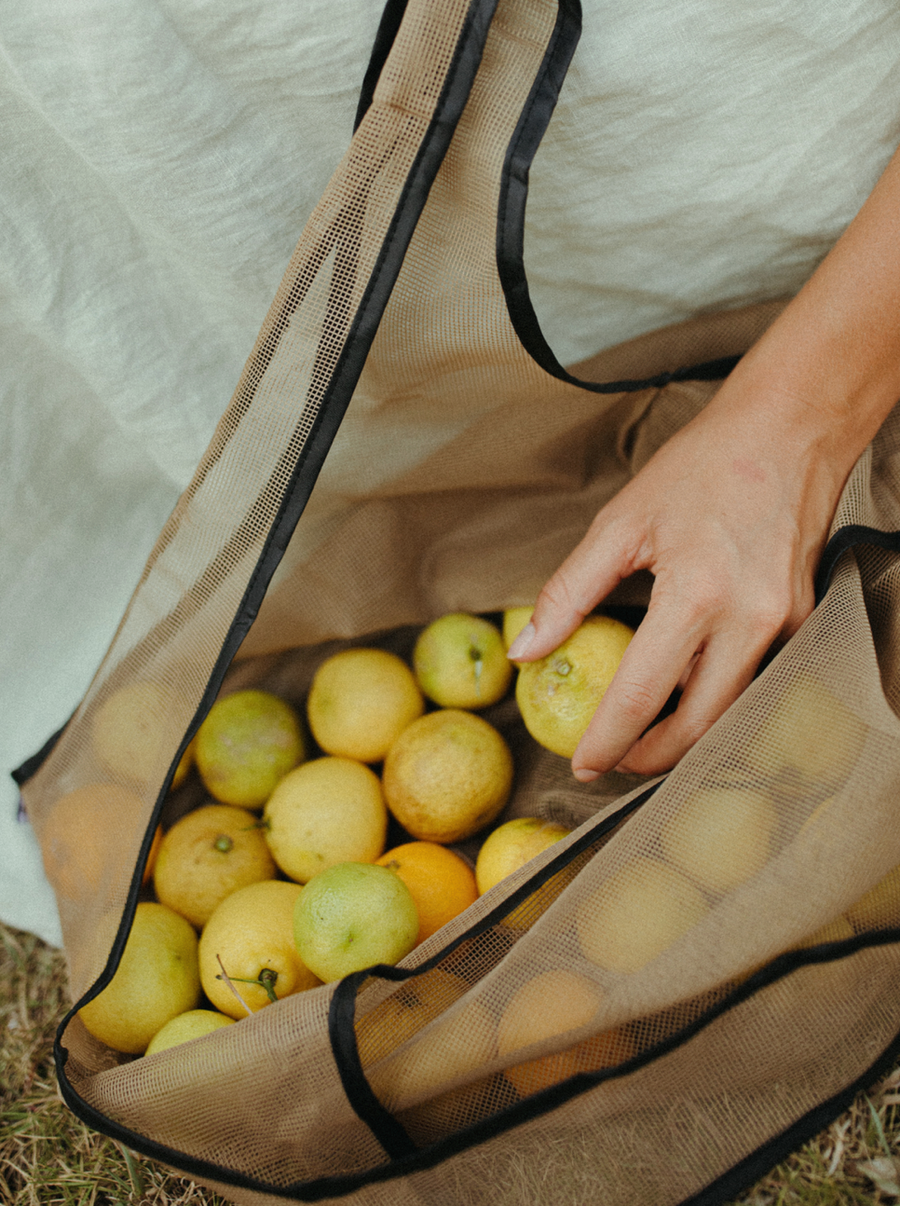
point(381, 48)
point(530, 130)
point(845, 538)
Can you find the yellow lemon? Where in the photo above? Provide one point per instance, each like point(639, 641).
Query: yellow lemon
point(247, 743)
point(721, 837)
point(442, 883)
point(810, 730)
point(879, 908)
point(183, 769)
point(360, 702)
point(549, 1005)
point(327, 811)
point(447, 775)
point(452, 1047)
point(513, 844)
point(514, 620)
point(134, 732)
point(351, 916)
point(405, 1012)
point(460, 661)
point(250, 940)
point(558, 694)
point(206, 855)
point(157, 979)
point(641, 911)
point(187, 1026)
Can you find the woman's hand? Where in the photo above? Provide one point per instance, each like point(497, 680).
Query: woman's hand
point(730, 517)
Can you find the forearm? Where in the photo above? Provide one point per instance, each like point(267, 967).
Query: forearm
point(828, 370)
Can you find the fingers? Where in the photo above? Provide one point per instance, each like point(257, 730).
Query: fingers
point(713, 657)
point(658, 656)
point(588, 574)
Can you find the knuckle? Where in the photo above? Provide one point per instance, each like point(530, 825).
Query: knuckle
point(636, 702)
point(769, 612)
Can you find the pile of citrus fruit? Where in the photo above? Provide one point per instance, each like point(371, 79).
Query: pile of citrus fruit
point(281, 879)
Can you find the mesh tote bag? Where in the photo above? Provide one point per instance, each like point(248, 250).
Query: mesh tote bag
point(706, 969)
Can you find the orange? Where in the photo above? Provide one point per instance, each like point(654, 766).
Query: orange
point(134, 731)
point(207, 855)
point(441, 883)
point(78, 834)
point(548, 1005)
point(460, 661)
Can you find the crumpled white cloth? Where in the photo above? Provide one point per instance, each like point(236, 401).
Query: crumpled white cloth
point(160, 158)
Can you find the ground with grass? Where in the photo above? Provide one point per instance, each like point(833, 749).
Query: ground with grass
point(49, 1158)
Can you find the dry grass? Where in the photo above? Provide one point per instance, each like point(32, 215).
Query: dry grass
point(49, 1158)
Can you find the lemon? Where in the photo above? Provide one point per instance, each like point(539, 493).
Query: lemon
point(638, 913)
point(352, 916)
point(514, 620)
point(360, 702)
point(721, 837)
point(405, 1012)
point(447, 775)
point(247, 743)
point(184, 767)
point(810, 730)
point(327, 811)
point(187, 1026)
point(511, 845)
point(558, 694)
point(134, 734)
point(879, 908)
point(157, 979)
point(250, 939)
point(450, 1048)
point(460, 661)
point(206, 855)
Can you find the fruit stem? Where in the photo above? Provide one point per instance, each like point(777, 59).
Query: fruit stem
point(223, 844)
point(266, 979)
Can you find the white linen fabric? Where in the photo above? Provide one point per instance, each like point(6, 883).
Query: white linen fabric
point(160, 159)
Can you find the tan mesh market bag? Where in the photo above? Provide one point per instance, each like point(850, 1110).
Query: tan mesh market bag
point(402, 443)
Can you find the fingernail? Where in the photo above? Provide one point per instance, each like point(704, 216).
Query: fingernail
point(521, 643)
point(585, 775)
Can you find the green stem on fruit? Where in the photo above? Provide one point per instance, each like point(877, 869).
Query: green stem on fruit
point(266, 979)
point(223, 844)
point(561, 666)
